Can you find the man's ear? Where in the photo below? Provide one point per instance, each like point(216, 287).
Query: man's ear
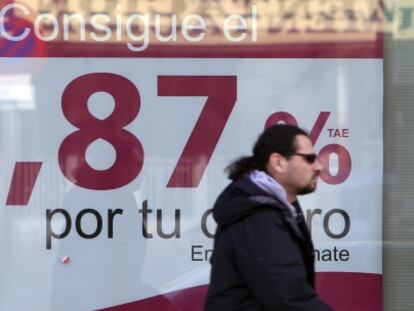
point(278, 163)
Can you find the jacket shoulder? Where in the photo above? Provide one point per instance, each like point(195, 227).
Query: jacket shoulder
point(262, 235)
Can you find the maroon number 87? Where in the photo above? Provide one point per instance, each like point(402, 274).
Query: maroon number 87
point(221, 92)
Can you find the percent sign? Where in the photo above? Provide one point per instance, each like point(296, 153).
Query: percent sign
point(324, 156)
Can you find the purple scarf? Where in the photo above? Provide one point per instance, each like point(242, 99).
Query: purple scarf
point(271, 187)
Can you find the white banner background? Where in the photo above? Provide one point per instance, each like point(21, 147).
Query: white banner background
point(103, 272)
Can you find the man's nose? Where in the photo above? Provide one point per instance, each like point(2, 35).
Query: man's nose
point(318, 166)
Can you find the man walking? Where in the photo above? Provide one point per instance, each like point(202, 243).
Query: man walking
point(263, 254)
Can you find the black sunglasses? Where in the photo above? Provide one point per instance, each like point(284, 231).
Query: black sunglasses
point(309, 157)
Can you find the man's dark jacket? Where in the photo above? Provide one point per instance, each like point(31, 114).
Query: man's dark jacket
point(263, 258)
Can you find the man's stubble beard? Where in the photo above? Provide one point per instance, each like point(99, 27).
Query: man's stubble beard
point(310, 187)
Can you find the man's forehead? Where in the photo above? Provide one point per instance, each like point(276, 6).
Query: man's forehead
point(303, 142)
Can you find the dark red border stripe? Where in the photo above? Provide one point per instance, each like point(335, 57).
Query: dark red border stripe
point(348, 291)
point(357, 49)
point(360, 49)
point(344, 291)
point(190, 299)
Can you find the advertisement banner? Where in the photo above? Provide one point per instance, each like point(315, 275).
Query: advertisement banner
point(111, 165)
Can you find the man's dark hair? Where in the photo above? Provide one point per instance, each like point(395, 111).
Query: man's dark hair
point(278, 138)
